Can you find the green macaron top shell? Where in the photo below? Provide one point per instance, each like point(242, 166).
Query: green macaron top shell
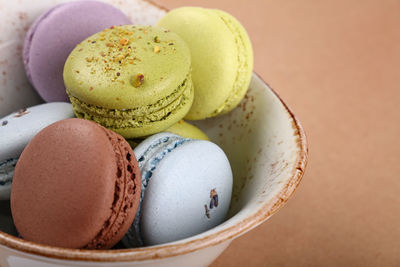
point(128, 67)
point(222, 58)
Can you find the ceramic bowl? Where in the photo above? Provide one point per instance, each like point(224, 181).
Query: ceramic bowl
point(263, 139)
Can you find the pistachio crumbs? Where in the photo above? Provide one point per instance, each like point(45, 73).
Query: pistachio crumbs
point(117, 48)
point(137, 80)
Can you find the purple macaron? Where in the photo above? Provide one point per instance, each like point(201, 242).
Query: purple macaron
point(55, 34)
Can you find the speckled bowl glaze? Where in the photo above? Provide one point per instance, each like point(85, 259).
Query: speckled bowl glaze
point(263, 139)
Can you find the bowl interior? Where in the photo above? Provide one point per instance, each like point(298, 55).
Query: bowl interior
point(264, 142)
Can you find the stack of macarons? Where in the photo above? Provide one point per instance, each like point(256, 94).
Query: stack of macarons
point(128, 166)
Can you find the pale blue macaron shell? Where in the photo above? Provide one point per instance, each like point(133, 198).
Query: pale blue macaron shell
point(177, 177)
point(17, 129)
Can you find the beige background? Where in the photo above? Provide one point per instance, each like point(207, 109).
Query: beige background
point(337, 64)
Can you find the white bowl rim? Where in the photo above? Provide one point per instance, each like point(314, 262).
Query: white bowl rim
point(184, 247)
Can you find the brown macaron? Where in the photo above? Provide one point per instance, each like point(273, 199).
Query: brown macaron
point(76, 185)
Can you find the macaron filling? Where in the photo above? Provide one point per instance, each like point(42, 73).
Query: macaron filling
point(148, 163)
point(139, 116)
point(124, 196)
point(242, 73)
point(7, 171)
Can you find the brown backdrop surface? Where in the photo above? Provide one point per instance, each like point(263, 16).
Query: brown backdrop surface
point(337, 64)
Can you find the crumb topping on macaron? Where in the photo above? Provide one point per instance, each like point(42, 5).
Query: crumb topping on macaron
point(135, 80)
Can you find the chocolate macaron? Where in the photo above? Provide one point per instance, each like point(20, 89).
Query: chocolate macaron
point(76, 185)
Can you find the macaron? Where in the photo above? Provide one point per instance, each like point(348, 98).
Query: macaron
point(181, 128)
point(187, 130)
point(17, 129)
point(55, 33)
point(222, 58)
point(134, 80)
point(76, 185)
point(186, 189)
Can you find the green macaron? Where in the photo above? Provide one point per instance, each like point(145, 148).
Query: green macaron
point(134, 80)
point(181, 128)
point(222, 58)
point(187, 130)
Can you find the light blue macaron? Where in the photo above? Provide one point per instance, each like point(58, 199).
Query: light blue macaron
point(17, 129)
point(186, 189)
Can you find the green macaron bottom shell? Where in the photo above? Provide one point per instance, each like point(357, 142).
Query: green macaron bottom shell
point(140, 121)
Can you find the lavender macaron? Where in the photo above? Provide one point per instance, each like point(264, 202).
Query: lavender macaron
point(186, 189)
point(55, 34)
